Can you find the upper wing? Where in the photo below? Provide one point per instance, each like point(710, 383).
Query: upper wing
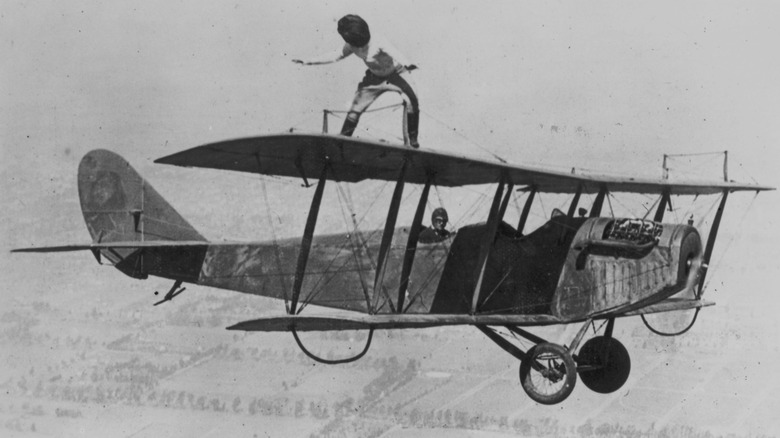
point(352, 160)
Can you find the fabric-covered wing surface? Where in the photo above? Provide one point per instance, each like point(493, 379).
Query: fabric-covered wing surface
point(353, 160)
point(359, 321)
point(356, 321)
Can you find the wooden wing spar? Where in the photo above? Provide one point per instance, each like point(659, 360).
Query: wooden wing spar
point(352, 160)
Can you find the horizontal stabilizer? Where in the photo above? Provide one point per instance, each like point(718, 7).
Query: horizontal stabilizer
point(384, 321)
point(63, 248)
point(134, 245)
point(109, 245)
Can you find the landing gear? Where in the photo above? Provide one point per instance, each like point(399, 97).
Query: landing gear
point(548, 373)
point(604, 364)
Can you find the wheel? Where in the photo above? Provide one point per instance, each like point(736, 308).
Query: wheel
point(604, 364)
point(548, 374)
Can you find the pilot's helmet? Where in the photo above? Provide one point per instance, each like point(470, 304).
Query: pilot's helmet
point(440, 213)
point(354, 30)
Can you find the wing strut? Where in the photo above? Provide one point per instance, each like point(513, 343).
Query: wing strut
point(387, 235)
point(505, 202)
point(308, 233)
point(503, 343)
point(665, 200)
point(411, 245)
point(595, 210)
point(575, 201)
point(526, 211)
point(711, 242)
point(487, 242)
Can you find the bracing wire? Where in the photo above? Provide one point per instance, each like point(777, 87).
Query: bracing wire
point(649, 209)
point(319, 286)
point(730, 241)
point(703, 217)
point(382, 108)
point(361, 243)
point(541, 203)
point(455, 130)
point(277, 256)
point(364, 128)
point(316, 288)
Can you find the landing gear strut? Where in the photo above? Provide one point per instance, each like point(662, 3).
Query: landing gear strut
point(548, 372)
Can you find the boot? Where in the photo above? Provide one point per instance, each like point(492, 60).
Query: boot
point(413, 124)
point(349, 127)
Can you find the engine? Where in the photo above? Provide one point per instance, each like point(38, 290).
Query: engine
point(619, 264)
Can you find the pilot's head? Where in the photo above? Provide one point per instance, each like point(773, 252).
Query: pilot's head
point(354, 30)
point(439, 219)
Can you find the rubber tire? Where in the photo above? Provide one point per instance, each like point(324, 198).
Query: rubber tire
point(615, 371)
point(570, 379)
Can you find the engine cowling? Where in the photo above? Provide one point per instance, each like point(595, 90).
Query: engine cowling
point(620, 264)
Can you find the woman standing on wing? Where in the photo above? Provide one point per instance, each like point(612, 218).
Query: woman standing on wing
point(386, 69)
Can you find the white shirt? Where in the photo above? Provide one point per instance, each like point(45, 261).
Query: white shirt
point(380, 56)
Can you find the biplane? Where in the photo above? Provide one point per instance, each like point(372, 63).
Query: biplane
point(495, 276)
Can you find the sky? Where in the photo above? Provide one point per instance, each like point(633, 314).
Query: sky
point(616, 79)
point(603, 86)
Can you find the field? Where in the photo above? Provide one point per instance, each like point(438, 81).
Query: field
point(105, 361)
point(574, 87)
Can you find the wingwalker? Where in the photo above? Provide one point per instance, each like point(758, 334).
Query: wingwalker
point(490, 275)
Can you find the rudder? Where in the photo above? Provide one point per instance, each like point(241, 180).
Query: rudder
point(120, 205)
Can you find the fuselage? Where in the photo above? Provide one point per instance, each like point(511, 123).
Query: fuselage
point(570, 268)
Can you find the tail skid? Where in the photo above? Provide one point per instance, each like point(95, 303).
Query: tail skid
point(172, 293)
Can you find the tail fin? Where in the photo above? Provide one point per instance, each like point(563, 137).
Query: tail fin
point(119, 205)
point(131, 224)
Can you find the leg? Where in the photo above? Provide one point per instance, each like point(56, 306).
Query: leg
point(350, 123)
point(365, 95)
point(413, 110)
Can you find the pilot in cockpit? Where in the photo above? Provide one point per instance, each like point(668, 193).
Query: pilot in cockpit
point(438, 229)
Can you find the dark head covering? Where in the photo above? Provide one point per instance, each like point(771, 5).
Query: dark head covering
point(354, 30)
point(440, 213)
